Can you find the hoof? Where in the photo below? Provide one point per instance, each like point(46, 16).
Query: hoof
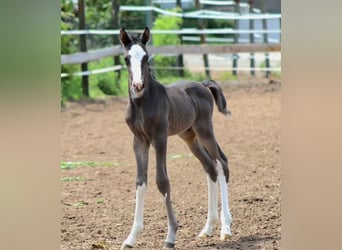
point(225, 236)
point(168, 245)
point(126, 246)
point(204, 235)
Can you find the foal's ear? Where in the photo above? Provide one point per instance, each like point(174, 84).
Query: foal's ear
point(124, 38)
point(145, 37)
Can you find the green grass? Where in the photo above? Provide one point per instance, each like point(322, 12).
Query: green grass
point(80, 204)
point(72, 178)
point(179, 156)
point(226, 76)
point(276, 74)
point(75, 164)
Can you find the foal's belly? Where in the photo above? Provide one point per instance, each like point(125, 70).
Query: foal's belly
point(179, 127)
point(182, 115)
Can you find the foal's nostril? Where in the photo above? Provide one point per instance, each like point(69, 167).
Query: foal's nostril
point(137, 86)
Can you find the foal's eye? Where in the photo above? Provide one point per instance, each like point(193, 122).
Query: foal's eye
point(127, 60)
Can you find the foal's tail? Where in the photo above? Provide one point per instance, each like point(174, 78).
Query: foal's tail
point(219, 98)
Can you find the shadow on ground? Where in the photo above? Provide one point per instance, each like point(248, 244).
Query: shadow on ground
point(247, 242)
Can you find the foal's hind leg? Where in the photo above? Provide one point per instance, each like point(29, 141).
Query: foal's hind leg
point(226, 217)
point(207, 138)
point(208, 164)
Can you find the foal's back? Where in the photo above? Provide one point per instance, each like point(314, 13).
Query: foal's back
point(189, 102)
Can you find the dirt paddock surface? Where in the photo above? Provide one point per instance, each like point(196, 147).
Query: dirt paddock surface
point(97, 202)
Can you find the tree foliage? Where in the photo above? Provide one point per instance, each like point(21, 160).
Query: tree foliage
point(98, 15)
point(133, 19)
point(166, 23)
point(69, 44)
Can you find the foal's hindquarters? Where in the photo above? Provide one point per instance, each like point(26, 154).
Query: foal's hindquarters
point(201, 140)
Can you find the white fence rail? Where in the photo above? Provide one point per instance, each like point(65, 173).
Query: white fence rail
point(272, 44)
point(178, 32)
point(83, 57)
point(204, 14)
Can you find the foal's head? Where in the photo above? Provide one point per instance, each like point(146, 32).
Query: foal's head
point(136, 58)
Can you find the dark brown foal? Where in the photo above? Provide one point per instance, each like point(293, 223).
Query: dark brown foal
point(155, 112)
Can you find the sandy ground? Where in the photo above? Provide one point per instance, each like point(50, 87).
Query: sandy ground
point(98, 202)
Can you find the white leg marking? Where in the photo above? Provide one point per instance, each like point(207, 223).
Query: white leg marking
point(226, 218)
point(212, 216)
point(170, 236)
point(138, 216)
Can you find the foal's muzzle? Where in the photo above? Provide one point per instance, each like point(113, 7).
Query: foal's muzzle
point(137, 89)
point(137, 86)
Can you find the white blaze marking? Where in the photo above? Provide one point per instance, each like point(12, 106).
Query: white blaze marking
point(137, 54)
point(138, 216)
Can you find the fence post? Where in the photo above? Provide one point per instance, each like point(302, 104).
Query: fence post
point(236, 36)
point(264, 27)
point(83, 46)
point(149, 22)
point(115, 39)
point(202, 36)
point(251, 37)
point(180, 61)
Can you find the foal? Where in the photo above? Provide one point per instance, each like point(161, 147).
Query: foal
point(156, 112)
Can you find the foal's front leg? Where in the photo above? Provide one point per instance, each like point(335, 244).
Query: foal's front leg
point(141, 154)
point(160, 145)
